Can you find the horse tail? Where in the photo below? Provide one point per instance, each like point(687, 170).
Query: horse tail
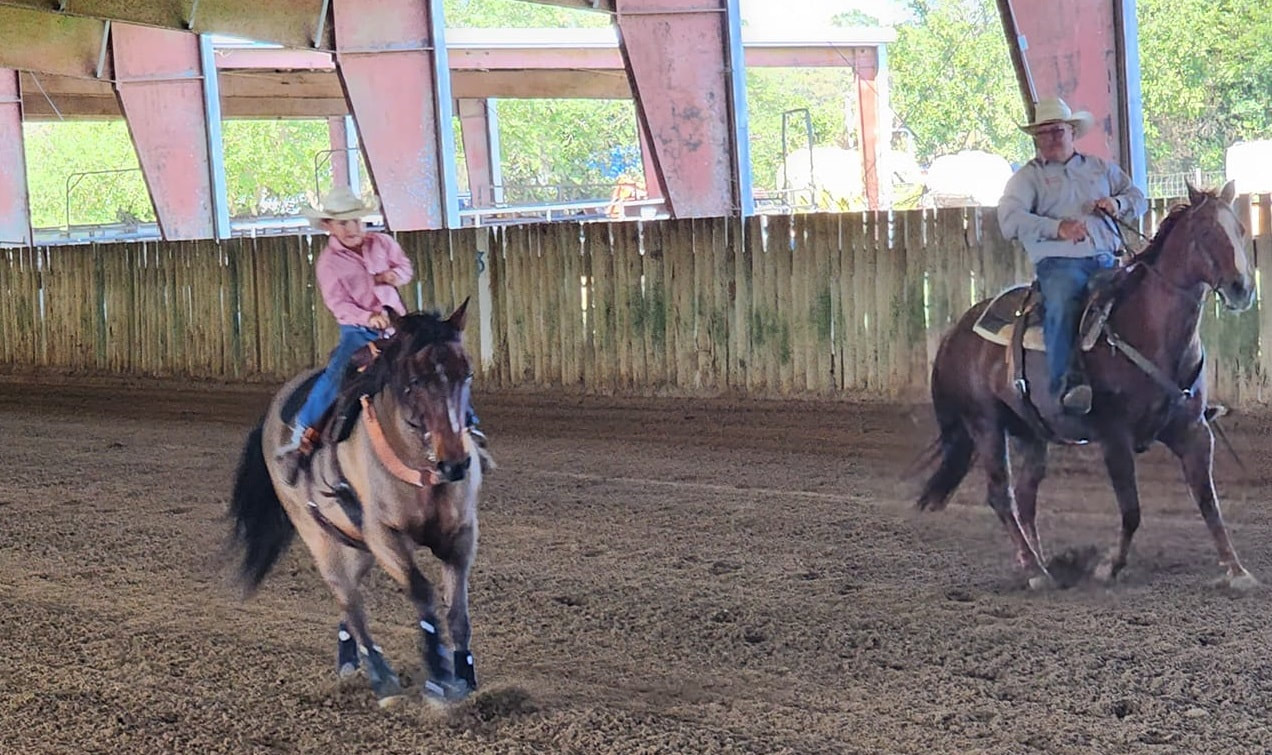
point(955, 449)
point(262, 529)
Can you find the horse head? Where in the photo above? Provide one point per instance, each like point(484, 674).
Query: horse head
point(431, 380)
point(1216, 246)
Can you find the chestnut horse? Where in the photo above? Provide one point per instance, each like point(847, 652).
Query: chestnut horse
point(395, 473)
point(1147, 376)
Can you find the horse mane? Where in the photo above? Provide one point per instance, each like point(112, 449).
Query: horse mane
point(415, 331)
point(1154, 248)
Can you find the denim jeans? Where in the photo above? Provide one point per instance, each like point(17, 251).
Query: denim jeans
point(1063, 281)
point(352, 338)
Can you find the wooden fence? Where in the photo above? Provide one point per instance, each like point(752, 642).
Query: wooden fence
point(821, 304)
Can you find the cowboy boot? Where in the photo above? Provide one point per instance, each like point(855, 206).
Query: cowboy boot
point(295, 455)
point(1077, 395)
point(482, 444)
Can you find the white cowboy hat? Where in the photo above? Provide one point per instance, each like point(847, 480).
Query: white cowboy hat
point(1054, 110)
point(340, 204)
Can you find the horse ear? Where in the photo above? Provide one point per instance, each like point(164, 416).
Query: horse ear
point(1229, 191)
point(460, 314)
point(1194, 196)
point(395, 320)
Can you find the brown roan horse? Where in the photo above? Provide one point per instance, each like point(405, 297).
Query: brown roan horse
point(1147, 377)
point(395, 472)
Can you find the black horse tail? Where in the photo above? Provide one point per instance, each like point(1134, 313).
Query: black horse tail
point(261, 527)
point(955, 449)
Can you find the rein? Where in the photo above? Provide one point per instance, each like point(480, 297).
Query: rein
point(420, 478)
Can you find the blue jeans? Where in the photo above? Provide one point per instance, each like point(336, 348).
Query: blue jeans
point(352, 338)
point(1063, 281)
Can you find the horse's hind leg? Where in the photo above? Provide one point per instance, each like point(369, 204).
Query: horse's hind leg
point(1195, 446)
point(1119, 460)
point(991, 443)
point(393, 552)
point(1033, 470)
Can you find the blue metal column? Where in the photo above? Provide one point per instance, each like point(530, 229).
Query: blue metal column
point(352, 167)
point(216, 145)
point(1136, 157)
point(496, 150)
point(445, 115)
point(741, 117)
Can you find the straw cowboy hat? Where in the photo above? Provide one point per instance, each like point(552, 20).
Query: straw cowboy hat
point(340, 204)
point(1054, 110)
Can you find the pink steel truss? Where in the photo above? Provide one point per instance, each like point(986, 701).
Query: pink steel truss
point(866, 65)
point(15, 210)
point(1072, 52)
point(474, 125)
point(677, 56)
point(388, 55)
point(159, 82)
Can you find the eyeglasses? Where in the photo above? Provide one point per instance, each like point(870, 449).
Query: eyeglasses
point(1054, 132)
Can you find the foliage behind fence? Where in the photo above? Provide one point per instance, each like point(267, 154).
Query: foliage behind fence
point(816, 304)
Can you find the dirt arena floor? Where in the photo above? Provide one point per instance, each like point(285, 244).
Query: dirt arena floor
point(654, 576)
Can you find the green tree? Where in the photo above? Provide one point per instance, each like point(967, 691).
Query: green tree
point(827, 93)
point(58, 155)
point(564, 142)
point(953, 85)
point(1206, 69)
point(270, 165)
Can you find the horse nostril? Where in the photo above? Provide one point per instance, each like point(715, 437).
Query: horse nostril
point(453, 471)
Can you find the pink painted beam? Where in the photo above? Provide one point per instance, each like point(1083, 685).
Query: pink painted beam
point(249, 58)
point(475, 127)
point(866, 66)
point(387, 63)
point(339, 137)
point(1072, 53)
point(536, 59)
point(159, 84)
point(676, 52)
point(15, 205)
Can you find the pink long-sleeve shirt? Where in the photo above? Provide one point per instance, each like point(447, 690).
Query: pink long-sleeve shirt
point(346, 278)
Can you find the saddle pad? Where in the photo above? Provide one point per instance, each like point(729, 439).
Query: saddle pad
point(997, 323)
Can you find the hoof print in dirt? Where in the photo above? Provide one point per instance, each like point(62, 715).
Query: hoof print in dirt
point(960, 596)
point(1122, 708)
point(724, 567)
point(754, 636)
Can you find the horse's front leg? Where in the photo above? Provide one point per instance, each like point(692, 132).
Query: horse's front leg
point(1194, 445)
point(455, 568)
point(343, 569)
point(1119, 460)
point(393, 550)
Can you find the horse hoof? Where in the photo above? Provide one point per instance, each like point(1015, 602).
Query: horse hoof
point(348, 670)
point(446, 692)
point(1041, 582)
point(391, 701)
point(1243, 582)
point(1104, 573)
